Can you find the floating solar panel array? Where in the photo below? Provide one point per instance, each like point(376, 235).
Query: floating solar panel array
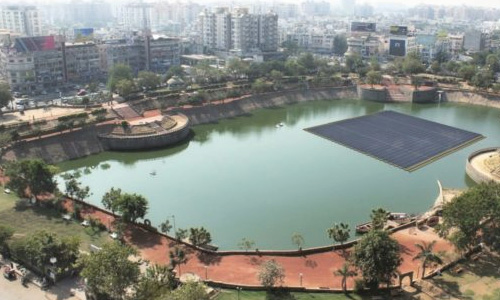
point(398, 139)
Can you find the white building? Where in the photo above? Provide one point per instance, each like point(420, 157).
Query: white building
point(135, 16)
point(239, 31)
point(24, 20)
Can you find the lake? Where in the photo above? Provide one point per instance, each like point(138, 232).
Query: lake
point(247, 178)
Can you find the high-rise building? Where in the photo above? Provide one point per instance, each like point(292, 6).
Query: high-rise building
point(24, 20)
point(239, 31)
point(315, 8)
point(135, 16)
point(474, 40)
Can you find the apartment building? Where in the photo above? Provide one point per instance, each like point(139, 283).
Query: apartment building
point(238, 32)
point(33, 63)
point(82, 62)
point(24, 20)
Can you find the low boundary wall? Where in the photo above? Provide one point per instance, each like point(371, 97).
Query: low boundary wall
point(377, 95)
point(143, 142)
point(474, 174)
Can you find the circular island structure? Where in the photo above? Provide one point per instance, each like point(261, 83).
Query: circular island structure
point(159, 131)
point(484, 165)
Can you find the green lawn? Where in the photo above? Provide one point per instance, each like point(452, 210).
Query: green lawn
point(247, 295)
point(479, 279)
point(32, 219)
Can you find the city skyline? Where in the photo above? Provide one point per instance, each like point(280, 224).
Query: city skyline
point(385, 3)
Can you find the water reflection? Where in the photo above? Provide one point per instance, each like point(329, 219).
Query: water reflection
point(124, 158)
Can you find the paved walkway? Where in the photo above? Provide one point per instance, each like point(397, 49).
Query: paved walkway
point(317, 269)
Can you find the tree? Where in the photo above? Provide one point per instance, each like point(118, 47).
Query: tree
point(345, 272)
point(111, 199)
point(373, 77)
point(175, 71)
point(190, 290)
point(354, 62)
point(413, 65)
point(277, 76)
point(148, 80)
point(379, 217)
point(125, 87)
point(181, 234)
point(246, 244)
point(482, 79)
point(5, 234)
point(165, 227)
point(467, 71)
point(435, 67)
point(38, 248)
point(74, 189)
point(426, 255)
point(271, 273)
point(298, 240)
point(492, 63)
point(476, 210)
point(339, 232)
point(416, 81)
point(199, 236)
point(109, 272)
point(291, 47)
point(93, 87)
point(156, 282)
point(118, 72)
point(259, 85)
point(5, 94)
point(339, 44)
point(132, 207)
point(306, 60)
point(377, 256)
point(31, 177)
point(237, 68)
point(177, 258)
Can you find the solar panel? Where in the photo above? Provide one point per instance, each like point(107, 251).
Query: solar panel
point(404, 141)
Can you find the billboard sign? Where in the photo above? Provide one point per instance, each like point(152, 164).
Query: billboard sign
point(363, 27)
point(83, 32)
point(398, 30)
point(397, 47)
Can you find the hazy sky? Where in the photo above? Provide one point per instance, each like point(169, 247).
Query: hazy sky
point(407, 3)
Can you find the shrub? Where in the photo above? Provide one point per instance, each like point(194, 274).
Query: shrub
point(359, 285)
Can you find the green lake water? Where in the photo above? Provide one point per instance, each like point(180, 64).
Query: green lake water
point(245, 178)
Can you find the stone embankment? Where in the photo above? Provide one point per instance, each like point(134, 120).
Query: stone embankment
point(475, 98)
point(213, 113)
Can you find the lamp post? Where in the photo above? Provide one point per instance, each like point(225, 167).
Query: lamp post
point(239, 289)
point(206, 272)
point(173, 221)
point(52, 274)
point(300, 278)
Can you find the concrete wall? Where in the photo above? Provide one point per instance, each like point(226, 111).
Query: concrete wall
point(427, 96)
point(473, 173)
point(60, 146)
point(213, 113)
point(461, 96)
point(125, 143)
point(376, 95)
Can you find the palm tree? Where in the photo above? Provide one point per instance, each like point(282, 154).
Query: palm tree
point(426, 255)
point(345, 272)
point(177, 257)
